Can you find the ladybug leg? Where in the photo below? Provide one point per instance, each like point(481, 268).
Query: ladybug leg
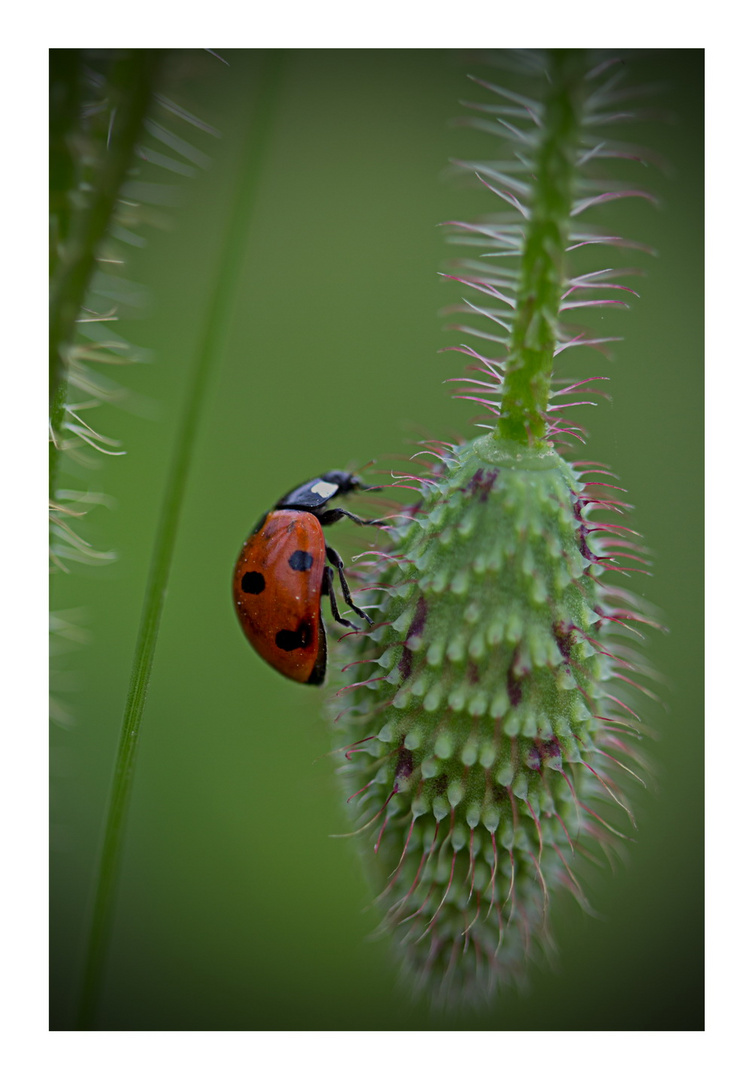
point(337, 562)
point(329, 517)
point(328, 589)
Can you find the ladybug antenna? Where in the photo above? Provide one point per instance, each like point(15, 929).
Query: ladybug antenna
point(357, 471)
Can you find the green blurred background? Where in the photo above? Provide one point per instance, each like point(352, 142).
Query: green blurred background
point(235, 908)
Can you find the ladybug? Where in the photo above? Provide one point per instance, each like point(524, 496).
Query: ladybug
point(282, 574)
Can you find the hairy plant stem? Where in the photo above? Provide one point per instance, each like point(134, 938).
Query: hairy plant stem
point(528, 372)
point(74, 256)
point(210, 346)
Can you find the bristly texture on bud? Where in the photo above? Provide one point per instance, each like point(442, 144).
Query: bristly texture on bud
point(485, 737)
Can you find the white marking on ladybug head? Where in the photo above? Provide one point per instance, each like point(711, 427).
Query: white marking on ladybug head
point(325, 490)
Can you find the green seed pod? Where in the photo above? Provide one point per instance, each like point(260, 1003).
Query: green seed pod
point(487, 725)
point(475, 754)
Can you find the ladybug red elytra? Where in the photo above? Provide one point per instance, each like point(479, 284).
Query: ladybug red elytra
point(282, 574)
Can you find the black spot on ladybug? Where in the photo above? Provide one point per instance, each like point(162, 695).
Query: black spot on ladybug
point(288, 640)
point(301, 560)
point(253, 582)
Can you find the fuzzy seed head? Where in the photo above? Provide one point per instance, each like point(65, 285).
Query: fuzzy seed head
point(492, 726)
point(476, 743)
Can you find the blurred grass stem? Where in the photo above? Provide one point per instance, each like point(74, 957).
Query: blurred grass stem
point(132, 84)
point(210, 346)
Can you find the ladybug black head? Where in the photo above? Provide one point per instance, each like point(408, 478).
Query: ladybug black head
point(346, 482)
point(317, 492)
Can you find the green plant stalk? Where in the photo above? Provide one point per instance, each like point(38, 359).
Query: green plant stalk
point(133, 81)
point(528, 374)
point(210, 347)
